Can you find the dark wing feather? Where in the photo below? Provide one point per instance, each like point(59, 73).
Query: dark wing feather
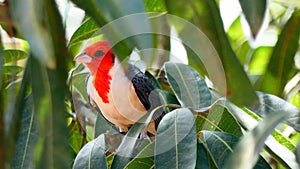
point(146, 92)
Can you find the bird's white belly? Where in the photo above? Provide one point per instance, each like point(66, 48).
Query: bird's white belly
point(124, 107)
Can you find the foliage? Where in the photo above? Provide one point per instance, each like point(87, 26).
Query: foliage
point(216, 118)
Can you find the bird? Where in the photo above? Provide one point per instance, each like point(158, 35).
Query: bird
point(123, 97)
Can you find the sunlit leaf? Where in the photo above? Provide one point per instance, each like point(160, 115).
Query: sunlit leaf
point(92, 155)
point(13, 55)
point(281, 61)
point(155, 5)
point(84, 32)
point(190, 89)
point(219, 119)
point(254, 11)
point(176, 141)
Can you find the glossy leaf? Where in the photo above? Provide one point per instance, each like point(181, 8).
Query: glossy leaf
point(253, 142)
point(202, 157)
point(13, 55)
point(220, 146)
point(84, 32)
point(279, 66)
point(254, 11)
point(103, 126)
point(219, 119)
point(145, 159)
point(240, 90)
point(176, 141)
point(131, 142)
point(189, 88)
point(23, 157)
point(92, 155)
point(270, 104)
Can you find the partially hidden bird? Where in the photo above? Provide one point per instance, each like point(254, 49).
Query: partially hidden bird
point(123, 97)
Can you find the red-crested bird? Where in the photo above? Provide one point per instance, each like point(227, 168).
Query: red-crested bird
point(122, 97)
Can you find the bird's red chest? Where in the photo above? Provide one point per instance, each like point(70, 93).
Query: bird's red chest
point(102, 78)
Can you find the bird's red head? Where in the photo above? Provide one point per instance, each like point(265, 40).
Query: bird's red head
point(99, 59)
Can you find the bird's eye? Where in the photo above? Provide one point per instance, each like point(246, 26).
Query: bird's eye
point(99, 53)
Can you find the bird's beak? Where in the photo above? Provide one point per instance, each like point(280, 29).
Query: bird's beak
point(83, 58)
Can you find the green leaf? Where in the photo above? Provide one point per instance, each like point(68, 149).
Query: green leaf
point(220, 145)
point(11, 55)
point(176, 140)
point(249, 147)
point(103, 126)
point(12, 70)
point(220, 119)
point(254, 11)
point(131, 142)
point(155, 5)
point(202, 157)
point(23, 157)
point(120, 16)
point(260, 59)
point(297, 152)
point(84, 32)
point(278, 151)
point(145, 159)
point(279, 67)
point(270, 104)
point(189, 88)
point(28, 14)
point(92, 155)
point(240, 90)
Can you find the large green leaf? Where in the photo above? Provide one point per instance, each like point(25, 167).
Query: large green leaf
point(103, 126)
point(27, 15)
point(254, 11)
point(219, 119)
point(84, 32)
point(206, 16)
point(47, 75)
point(249, 147)
point(145, 159)
point(280, 65)
point(189, 88)
point(202, 157)
point(23, 157)
point(220, 145)
point(270, 104)
point(92, 155)
point(117, 19)
point(176, 140)
point(131, 142)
